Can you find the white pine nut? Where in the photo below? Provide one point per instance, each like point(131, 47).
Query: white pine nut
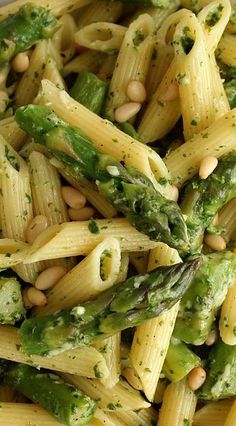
point(127, 111)
point(174, 193)
point(36, 297)
point(196, 378)
point(36, 226)
point(136, 91)
point(211, 338)
point(26, 301)
point(73, 198)
point(171, 93)
point(207, 166)
point(3, 101)
point(82, 214)
point(215, 242)
point(20, 63)
point(49, 277)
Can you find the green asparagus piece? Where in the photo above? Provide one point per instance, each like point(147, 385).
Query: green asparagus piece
point(124, 305)
point(230, 89)
point(90, 91)
point(129, 129)
point(65, 402)
point(221, 373)
point(127, 189)
point(179, 361)
point(21, 31)
point(203, 198)
point(204, 297)
point(11, 306)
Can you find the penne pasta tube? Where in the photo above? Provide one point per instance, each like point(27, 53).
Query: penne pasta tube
point(158, 14)
point(194, 78)
point(178, 405)
point(121, 397)
point(226, 51)
point(75, 238)
point(104, 10)
point(145, 417)
point(19, 414)
point(230, 419)
point(227, 220)
point(213, 414)
point(101, 36)
point(132, 62)
point(52, 73)
point(107, 68)
point(217, 140)
point(65, 37)
point(110, 349)
point(58, 7)
point(227, 322)
point(7, 393)
point(151, 339)
point(89, 61)
point(95, 273)
point(231, 26)
point(12, 252)
point(12, 133)
point(83, 361)
point(107, 137)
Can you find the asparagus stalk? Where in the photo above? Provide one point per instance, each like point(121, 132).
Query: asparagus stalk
point(124, 305)
point(21, 31)
point(204, 297)
point(129, 129)
point(203, 198)
point(179, 361)
point(65, 402)
point(221, 373)
point(90, 91)
point(128, 190)
point(11, 307)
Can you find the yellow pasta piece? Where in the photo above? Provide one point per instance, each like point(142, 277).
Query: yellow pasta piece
point(104, 10)
point(107, 68)
point(230, 419)
point(228, 317)
point(132, 62)
point(7, 393)
point(158, 14)
point(145, 417)
point(151, 339)
point(110, 349)
point(89, 61)
point(85, 361)
point(12, 133)
point(12, 252)
point(75, 238)
point(95, 273)
point(226, 51)
point(121, 397)
point(178, 405)
point(106, 136)
point(213, 414)
point(102, 36)
point(52, 73)
point(217, 140)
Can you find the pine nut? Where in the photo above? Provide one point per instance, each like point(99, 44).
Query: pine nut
point(127, 111)
point(36, 297)
point(171, 93)
point(215, 242)
point(73, 198)
point(196, 378)
point(174, 193)
point(215, 221)
point(207, 166)
point(3, 101)
point(49, 277)
point(136, 91)
point(20, 63)
point(26, 301)
point(211, 338)
point(82, 214)
point(36, 226)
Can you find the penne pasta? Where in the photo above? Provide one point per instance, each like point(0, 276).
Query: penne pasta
point(227, 322)
point(226, 51)
point(178, 405)
point(104, 10)
point(145, 417)
point(11, 132)
point(90, 61)
point(121, 397)
point(7, 393)
point(213, 414)
point(151, 339)
point(227, 220)
point(110, 349)
point(217, 140)
point(230, 419)
point(52, 73)
point(132, 62)
point(101, 36)
point(12, 252)
point(83, 361)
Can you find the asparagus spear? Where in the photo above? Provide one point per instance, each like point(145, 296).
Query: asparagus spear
point(129, 129)
point(179, 361)
point(221, 373)
point(21, 31)
point(203, 298)
point(65, 402)
point(122, 306)
point(128, 190)
point(90, 91)
point(11, 306)
point(204, 197)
